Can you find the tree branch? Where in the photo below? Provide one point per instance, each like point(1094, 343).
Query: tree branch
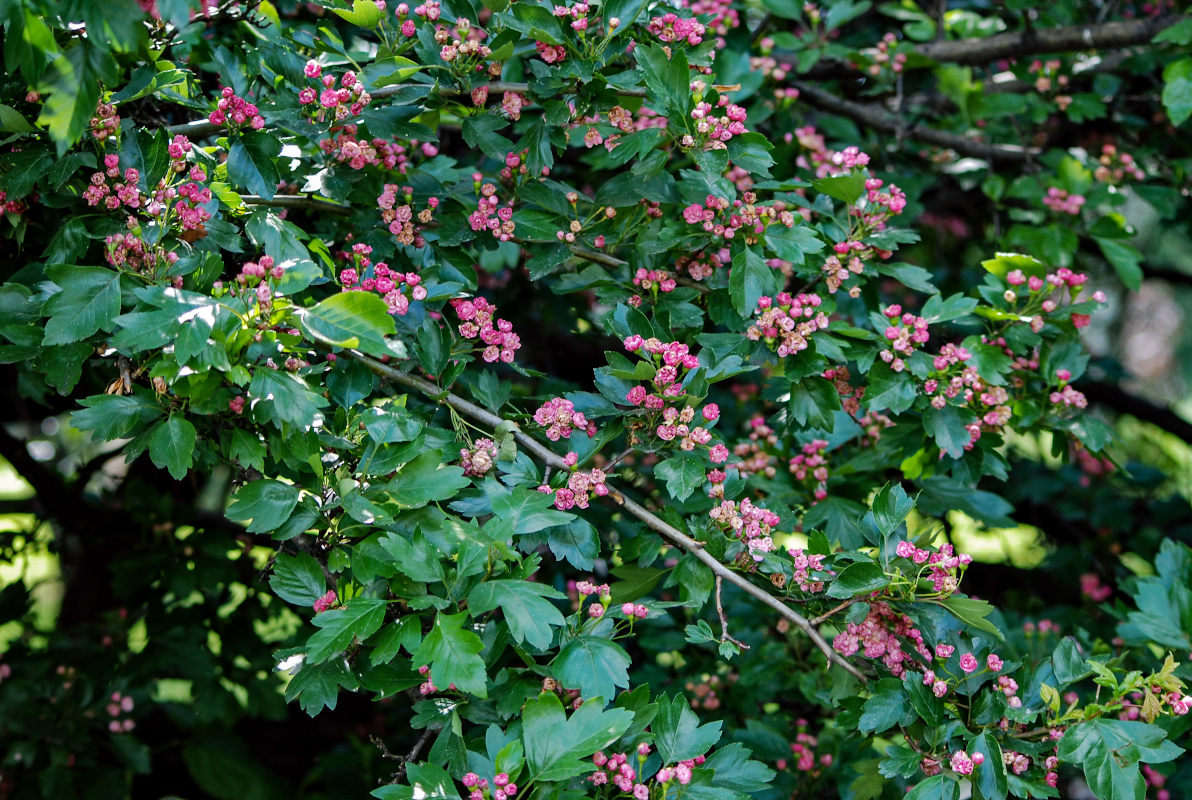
point(1105, 36)
point(1123, 402)
point(881, 120)
point(200, 127)
point(667, 531)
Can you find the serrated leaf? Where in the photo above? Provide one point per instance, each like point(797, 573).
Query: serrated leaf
point(172, 445)
point(359, 619)
point(558, 747)
point(678, 734)
point(594, 665)
point(265, 503)
point(453, 655)
point(528, 612)
point(355, 320)
point(89, 302)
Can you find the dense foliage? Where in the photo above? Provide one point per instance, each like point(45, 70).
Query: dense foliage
point(590, 400)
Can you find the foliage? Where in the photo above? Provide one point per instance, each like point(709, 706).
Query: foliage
point(583, 400)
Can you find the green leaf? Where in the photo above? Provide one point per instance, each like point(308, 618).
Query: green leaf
point(172, 445)
point(749, 279)
point(1110, 752)
point(12, 121)
point(887, 389)
point(683, 473)
point(89, 301)
point(1179, 33)
point(666, 77)
point(286, 398)
point(845, 188)
point(481, 132)
point(252, 162)
point(972, 612)
point(355, 320)
point(1177, 90)
point(364, 14)
point(529, 511)
point(267, 503)
point(359, 619)
point(678, 734)
point(814, 402)
point(947, 427)
point(426, 781)
point(316, 686)
point(110, 416)
point(890, 507)
point(594, 665)
point(887, 707)
point(558, 748)
point(795, 243)
point(989, 779)
point(528, 613)
point(937, 787)
point(415, 557)
point(297, 579)
point(425, 480)
point(860, 577)
point(1124, 258)
point(453, 655)
point(1164, 601)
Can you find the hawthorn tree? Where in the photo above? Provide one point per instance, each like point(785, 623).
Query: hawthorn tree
point(589, 400)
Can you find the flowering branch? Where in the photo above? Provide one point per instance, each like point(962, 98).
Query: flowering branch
point(307, 202)
point(880, 120)
point(652, 521)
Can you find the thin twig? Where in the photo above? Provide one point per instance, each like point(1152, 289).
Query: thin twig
point(400, 775)
point(824, 617)
point(667, 531)
point(724, 636)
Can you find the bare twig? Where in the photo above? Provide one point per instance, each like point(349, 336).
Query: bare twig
point(724, 636)
point(1105, 36)
point(824, 617)
point(652, 521)
point(403, 760)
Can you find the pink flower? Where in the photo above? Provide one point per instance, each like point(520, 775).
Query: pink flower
point(961, 763)
point(993, 662)
point(325, 602)
point(968, 663)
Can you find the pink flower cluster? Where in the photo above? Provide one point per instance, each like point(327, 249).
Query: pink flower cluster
point(881, 203)
point(430, 10)
point(327, 601)
point(963, 764)
point(785, 323)
point(560, 418)
point(715, 129)
point(504, 789)
point(653, 281)
point(487, 217)
point(119, 704)
point(805, 564)
point(812, 463)
point(390, 284)
point(106, 122)
point(617, 771)
point(699, 266)
point(746, 217)
point(11, 206)
point(722, 13)
point(881, 634)
point(1059, 200)
point(462, 45)
point(235, 112)
point(130, 251)
point(428, 686)
point(346, 148)
point(903, 333)
point(476, 321)
point(551, 53)
point(119, 192)
point(633, 611)
point(1092, 588)
point(803, 749)
point(1115, 167)
point(349, 100)
point(884, 57)
point(751, 524)
point(946, 567)
point(478, 459)
point(671, 27)
point(580, 489)
point(403, 223)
